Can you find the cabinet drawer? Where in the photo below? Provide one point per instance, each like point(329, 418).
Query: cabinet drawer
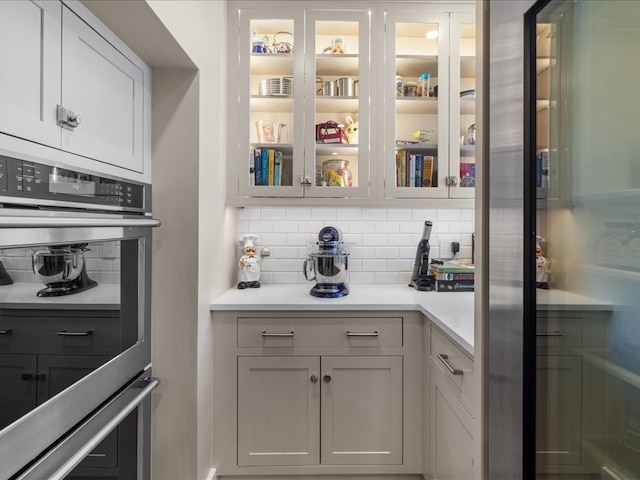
point(558, 331)
point(59, 335)
point(456, 365)
point(279, 332)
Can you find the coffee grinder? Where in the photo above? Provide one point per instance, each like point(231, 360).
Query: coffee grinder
point(421, 279)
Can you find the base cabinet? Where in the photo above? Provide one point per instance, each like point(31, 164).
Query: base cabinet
point(451, 434)
point(287, 404)
point(450, 409)
point(310, 393)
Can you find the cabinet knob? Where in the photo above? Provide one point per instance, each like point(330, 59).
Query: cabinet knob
point(40, 376)
point(314, 378)
point(327, 377)
point(451, 181)
point(26, 376)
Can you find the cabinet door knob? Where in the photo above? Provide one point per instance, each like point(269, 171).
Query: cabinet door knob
point(314, 378)
point(26, 376)
point(40, 376)
point(451, 181)
point(327, 377)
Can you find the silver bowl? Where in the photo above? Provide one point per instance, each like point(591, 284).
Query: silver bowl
point(57, 268)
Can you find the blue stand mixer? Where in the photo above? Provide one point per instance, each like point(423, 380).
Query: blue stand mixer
point(328, 263)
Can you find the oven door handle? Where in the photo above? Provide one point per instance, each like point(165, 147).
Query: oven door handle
point(59, 222)
point(50, 466)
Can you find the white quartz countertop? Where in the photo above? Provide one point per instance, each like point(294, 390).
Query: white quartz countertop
point(23, 295)
point(451, 311)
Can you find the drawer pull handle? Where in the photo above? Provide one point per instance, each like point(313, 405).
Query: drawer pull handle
point(555, 333)
point(64, 333)
point(6, 332)
point(102, 455)
point(265, 334)
point(362, 334)
point(444, 358)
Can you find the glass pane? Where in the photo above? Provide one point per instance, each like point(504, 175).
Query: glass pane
point(588, 235)
point(337, 103)
point(467, 105)
point(417, 105)
point(272, 88)
point(62, 317)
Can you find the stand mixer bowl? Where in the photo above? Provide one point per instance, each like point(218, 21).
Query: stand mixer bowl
point(57, 268)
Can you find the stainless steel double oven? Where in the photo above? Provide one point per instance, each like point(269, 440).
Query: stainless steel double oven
point(75, 321)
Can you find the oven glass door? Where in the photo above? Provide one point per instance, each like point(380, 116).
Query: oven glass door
point(74, 329)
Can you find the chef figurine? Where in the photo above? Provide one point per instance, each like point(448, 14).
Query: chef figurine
point(249, 264)
point(543, 265)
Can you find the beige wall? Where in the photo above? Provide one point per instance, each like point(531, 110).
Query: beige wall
point(199, 28)
point(183, 42)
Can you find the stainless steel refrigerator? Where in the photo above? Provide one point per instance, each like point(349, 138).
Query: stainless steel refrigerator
point(563, 334)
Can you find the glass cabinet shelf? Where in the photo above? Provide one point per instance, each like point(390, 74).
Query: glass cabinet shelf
point(337, 65)
point(271, 64)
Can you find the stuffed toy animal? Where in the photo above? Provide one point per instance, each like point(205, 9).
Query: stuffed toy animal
point(351, 130)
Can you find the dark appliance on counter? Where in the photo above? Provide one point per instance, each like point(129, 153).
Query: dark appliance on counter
point(328, 262)
point(421, 279)
point(75, 368)
point(62, 268)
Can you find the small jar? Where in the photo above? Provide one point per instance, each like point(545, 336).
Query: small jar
point(337, 173)
point(410, 89)
point(399, 86)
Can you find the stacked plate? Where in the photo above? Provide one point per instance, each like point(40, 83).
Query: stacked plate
point(282, 87)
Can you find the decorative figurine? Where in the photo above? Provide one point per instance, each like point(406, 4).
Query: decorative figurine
point(249, 264)
point(351, 130)
point(543, 265)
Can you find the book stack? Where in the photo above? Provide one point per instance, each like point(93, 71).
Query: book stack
point(453, 277)
point(265, 167)
point(413, 169)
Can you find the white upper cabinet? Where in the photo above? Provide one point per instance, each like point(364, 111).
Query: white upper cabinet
point(308, 76)
point(70, 85)
point(105, 89)
point(428, 86)
point(30, 81)
point(299, 112)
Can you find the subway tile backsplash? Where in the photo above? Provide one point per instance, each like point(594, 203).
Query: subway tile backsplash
point(382, 242)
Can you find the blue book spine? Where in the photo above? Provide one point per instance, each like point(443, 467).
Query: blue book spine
point(277, 180)
point(418, 182)
point(258, 166)
point(264, 178)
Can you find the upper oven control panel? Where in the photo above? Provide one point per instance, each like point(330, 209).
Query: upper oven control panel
point(21, 179)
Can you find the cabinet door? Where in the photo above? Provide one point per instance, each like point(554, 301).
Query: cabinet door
point(416, 119)
point(266, 104)
point(278, 411)
point(361, 410)
point(558, 409)
point(338, 86)
point(462, 64)
point(30, 80)
point(18, 387)
point(451, 437)
point(57, 372)
point(106, 90)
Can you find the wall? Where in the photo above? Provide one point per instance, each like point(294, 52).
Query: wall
point(199, 28)
point(382, 242)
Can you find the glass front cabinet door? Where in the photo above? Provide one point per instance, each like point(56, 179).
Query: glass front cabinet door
point(428, 82)
point(299, 121)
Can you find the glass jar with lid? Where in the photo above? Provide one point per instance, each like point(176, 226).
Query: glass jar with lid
point(337, 173)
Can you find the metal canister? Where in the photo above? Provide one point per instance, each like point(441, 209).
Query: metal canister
point(399, 86)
